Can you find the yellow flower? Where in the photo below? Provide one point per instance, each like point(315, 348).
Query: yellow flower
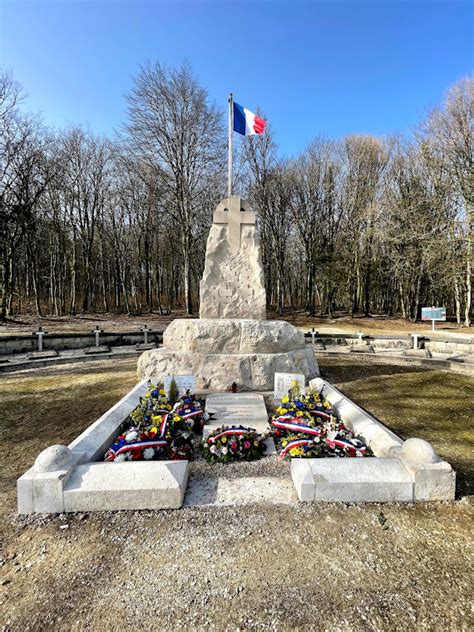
point(224, 439)
point(281, 410)
point(176, 417)
point(296, 452)
point(162, 392)
point(154, 429)
point(147, 394)
point(255, 443)
point(299, 413)
point(284, 443)
point(311, 406)
point(284, 400)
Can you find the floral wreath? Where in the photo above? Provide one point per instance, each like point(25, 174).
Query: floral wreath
point(160, 430)
point(233, 443)
point(305, 426)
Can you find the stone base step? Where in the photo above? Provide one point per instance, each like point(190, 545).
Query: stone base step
point(368, 479)
point(128, 485)
point(239, 491)
point(51, 353)
point(100, 349)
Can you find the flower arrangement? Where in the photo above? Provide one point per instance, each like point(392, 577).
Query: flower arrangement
point(159, 430)
point(305, 426)
point(233, 443)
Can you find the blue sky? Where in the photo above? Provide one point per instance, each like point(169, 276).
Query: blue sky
point(315, 68)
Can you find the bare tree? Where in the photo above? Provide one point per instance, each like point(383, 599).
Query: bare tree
point(175, 131)
point(449, 143)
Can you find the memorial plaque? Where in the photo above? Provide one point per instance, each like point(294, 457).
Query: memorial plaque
point(230, 409)
point(183, 382)
point(283, 382)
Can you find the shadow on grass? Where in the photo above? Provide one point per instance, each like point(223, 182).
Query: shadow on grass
point(337, 370)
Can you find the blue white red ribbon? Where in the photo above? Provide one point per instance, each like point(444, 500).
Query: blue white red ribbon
point(286, 423)
point(132, 447)
point(346, 444)
point(294, 444)
point(229, 431)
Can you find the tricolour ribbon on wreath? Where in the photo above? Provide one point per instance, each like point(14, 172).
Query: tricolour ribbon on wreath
point(346, 444)
point(292, 423)
point(229, 431)
point(132, 447)
point(296, 443)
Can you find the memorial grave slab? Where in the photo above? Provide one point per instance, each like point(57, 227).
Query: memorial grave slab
point(235, 409)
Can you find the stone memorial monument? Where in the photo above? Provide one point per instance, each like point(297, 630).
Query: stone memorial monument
point(231, 341)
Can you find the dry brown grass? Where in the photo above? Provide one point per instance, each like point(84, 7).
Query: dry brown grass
point(85, 323)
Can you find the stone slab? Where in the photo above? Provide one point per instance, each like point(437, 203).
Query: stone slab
point(229, 409)
point(367, 479)
point(144, 346)
point(283, 382)
point(239, 491)
point(417, 353)
point(246, 409)
point(127, 485)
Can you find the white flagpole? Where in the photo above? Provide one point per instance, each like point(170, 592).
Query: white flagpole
point(231, 128)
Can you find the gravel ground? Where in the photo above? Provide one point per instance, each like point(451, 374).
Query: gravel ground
point(257, 567)
point(330, 567)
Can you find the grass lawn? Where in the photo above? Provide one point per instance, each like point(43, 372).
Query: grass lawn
point(312, 566)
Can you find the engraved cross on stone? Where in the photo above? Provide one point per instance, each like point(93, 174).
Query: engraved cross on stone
point(234, 212)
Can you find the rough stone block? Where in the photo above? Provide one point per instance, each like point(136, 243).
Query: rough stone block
point(217, 371)
point(233, 261)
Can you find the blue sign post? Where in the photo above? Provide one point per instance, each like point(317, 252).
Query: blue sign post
point(433, 314)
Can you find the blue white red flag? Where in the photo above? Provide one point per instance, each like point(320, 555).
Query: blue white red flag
point(246, 122)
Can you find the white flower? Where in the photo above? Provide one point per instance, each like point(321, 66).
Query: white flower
point(131, 436)
point(123, 456)
point(359, 453)
point(148, 453)
point(212, 449)
point(224, 450)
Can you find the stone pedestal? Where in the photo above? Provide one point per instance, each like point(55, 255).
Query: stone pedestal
point(219, 352)
point(232, 341)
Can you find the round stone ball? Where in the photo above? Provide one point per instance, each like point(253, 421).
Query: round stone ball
point(419, 451)
point(56, 457)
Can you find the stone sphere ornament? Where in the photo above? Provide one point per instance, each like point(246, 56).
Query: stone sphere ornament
point(54, 458)
point(419, 451)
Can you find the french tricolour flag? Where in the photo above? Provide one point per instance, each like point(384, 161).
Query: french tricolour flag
point(246, 122)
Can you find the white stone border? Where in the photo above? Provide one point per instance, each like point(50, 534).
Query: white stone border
point(400, 471)
point(72, 478)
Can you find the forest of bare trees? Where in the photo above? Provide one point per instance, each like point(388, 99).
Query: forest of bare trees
point(361, 224)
